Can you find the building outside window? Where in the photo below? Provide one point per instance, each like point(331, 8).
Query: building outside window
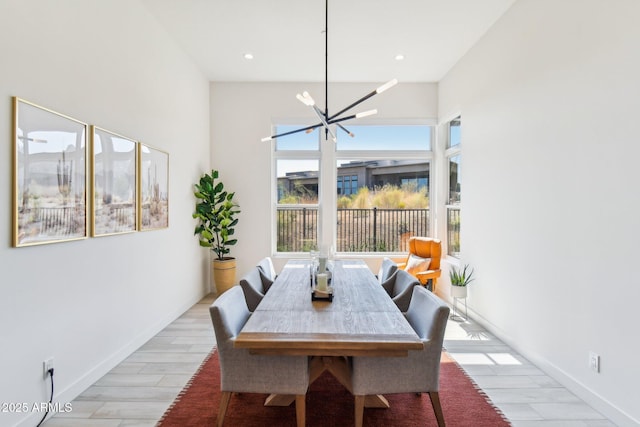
point(453, 156)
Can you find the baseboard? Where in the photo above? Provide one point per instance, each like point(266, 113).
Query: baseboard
point(591, 397)
point(81, 384)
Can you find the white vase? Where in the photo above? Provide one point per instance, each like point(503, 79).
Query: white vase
point(458, 291)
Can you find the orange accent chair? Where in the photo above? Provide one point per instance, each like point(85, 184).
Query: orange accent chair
point(423, 260)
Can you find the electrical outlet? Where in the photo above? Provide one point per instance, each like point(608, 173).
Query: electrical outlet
point(46, 365)
point(594, 361)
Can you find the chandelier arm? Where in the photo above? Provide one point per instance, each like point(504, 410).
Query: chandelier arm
point(292, 132)
point(381, 89)
point(341, 119)
point(359, 101)
point(351, 134)
point(353, 116)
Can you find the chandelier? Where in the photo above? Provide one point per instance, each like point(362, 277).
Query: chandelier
point(325, 118)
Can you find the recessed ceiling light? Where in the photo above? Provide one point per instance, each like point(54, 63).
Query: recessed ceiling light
point(248, 56)
point(399, 57)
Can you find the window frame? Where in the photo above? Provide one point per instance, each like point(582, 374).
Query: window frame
point(449, 153)
point(277, 155)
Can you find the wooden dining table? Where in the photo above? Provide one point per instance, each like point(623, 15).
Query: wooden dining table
point(361, 320)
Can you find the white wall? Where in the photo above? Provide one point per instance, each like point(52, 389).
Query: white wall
point(242, 114)
point(550, 99)
point(90, 303)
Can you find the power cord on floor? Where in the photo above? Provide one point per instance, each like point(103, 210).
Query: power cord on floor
point(50, 372)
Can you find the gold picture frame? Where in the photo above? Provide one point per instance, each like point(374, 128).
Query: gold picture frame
point(49, 176)
point(114, 188)
point(153, 189)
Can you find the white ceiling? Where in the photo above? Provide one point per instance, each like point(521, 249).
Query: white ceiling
point(287, 41)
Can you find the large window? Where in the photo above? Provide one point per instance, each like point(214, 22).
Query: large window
point(381, 180)
point(453, 198)
point(297, 185)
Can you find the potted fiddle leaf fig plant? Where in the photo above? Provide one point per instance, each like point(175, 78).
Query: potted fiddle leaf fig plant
point(216, 214)
point(460, 278)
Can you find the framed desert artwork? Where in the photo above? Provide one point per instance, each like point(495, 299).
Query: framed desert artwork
point(114, 187)
point(49, 176)
point(153, 178)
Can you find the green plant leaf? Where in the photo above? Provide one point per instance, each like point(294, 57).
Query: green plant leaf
point(216, 213)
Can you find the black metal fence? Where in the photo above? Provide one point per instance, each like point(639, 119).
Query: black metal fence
point(297, 229)
point(358, 230)
point(453, 231)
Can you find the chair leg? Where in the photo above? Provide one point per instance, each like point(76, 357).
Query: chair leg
point(300, 410)
point(224, 403)
point(359, 405)
point(435, 402)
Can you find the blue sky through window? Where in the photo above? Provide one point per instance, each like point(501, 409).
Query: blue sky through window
point(387, 137)
point(393, 137)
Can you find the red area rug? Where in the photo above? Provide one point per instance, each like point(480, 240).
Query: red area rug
point(330, 404)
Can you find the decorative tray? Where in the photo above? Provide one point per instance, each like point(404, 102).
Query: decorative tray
point(327, 295)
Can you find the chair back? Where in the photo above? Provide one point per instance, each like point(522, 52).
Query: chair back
point(267, 273)
point(403, 281)
point(420, 370)
point(428, 316)
point(251, 284)
point(387, 269)
point(426, 247)
point(241, 371)
point(229, 313)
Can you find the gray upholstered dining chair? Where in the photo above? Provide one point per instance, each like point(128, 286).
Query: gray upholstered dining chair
point(242, 372)
point(387, 269)
point(400, 288)
point(419, 372)
point(251, 284)
point(267, 273)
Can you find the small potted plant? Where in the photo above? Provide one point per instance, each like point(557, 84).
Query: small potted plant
point(216, 213)
point(460, 278)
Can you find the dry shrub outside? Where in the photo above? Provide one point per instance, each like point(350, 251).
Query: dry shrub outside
point(388, 197)
point(385, 197)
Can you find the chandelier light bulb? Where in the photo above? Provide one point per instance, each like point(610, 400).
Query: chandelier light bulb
point(387, 85)
point(306, 99)
point(366, 113)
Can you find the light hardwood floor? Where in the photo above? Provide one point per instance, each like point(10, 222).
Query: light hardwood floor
point(139, 390)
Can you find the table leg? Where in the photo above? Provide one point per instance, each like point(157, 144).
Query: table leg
point(280, 399)
point(376, 401)
point(339, 368)
point(316, 368)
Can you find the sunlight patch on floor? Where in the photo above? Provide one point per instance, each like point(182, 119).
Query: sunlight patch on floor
point(504, 359)
point(473, 359)
point(458, 331)
point(485, 359)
